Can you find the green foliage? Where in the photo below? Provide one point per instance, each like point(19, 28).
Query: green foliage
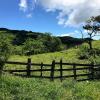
point(93, 56)
point(83, 53)
point(51, 43)
point(46, 43)
point(86, 53)
point(18, 50)
point(93, 28)
point(32, 46)
point(5, 50)
point(29, 43)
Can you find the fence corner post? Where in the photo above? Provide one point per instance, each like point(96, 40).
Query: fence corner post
point(28, 67)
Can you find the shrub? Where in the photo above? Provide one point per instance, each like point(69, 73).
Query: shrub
point(83, 53)
point(86, 53)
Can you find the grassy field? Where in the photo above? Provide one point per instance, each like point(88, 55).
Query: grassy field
point(69, 55)
point(17, 88)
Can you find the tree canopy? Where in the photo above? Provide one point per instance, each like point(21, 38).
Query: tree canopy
point(93, 28)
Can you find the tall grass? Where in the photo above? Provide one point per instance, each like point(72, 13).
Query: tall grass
point(15, 88)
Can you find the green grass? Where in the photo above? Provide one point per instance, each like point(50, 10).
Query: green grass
point(69, 55)
point(17, 88)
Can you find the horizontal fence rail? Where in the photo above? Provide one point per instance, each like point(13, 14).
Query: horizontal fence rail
point(91, 68)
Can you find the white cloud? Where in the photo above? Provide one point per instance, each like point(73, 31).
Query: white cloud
point(27, 6)
point(29, 15)
point(72, 12)
point(68, 34)
point(23, 5)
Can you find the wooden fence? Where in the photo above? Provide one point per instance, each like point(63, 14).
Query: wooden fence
point(90, 67)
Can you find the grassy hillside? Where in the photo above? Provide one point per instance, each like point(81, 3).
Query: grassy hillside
point(69, 55)
point(17, 88)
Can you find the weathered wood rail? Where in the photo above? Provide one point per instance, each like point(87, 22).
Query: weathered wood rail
point(90, 67)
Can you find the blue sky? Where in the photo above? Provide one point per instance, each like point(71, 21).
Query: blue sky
point(55, 16)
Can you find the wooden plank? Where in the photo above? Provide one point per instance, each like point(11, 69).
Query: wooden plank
point(23, 63)
point(75, 64)
point(15, 70)
point(39, 70)
point(47, 65)
point(67, 76)
point(40, 77)
point(36, 64)
point(96, 69)
point(70, 69)
point(83, 79)
point(21, 75)
point(83, 74)
point(17, 63)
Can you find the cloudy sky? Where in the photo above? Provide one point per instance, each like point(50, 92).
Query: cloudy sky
point(60, 17)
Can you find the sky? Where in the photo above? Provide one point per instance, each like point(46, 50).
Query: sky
point(59, 17)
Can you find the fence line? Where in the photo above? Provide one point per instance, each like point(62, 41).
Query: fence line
point(90, 67)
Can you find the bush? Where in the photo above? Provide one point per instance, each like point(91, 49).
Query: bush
point(86, 53)
point(93, 56)
point(32, 46)
point(83, 53)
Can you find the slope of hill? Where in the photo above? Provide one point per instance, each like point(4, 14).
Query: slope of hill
point(16, 88)
point(70, 55)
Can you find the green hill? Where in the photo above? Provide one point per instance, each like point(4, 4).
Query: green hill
point(21, 35)
point(17, 88)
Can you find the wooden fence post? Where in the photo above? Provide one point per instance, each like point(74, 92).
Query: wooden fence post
point(41, 69)
point(52, 70)
point(74, 71)
point(92, 71)
point(61, 74)
point(28, 67)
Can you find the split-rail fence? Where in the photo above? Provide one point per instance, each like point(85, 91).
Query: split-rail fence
point(91, 68)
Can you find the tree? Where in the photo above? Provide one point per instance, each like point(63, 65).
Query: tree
point(51, 43)
point(32, 46)
point(93, 28)
point(5, 50)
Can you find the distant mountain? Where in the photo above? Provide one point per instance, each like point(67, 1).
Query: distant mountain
point(22, 35)
point(71, 41)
